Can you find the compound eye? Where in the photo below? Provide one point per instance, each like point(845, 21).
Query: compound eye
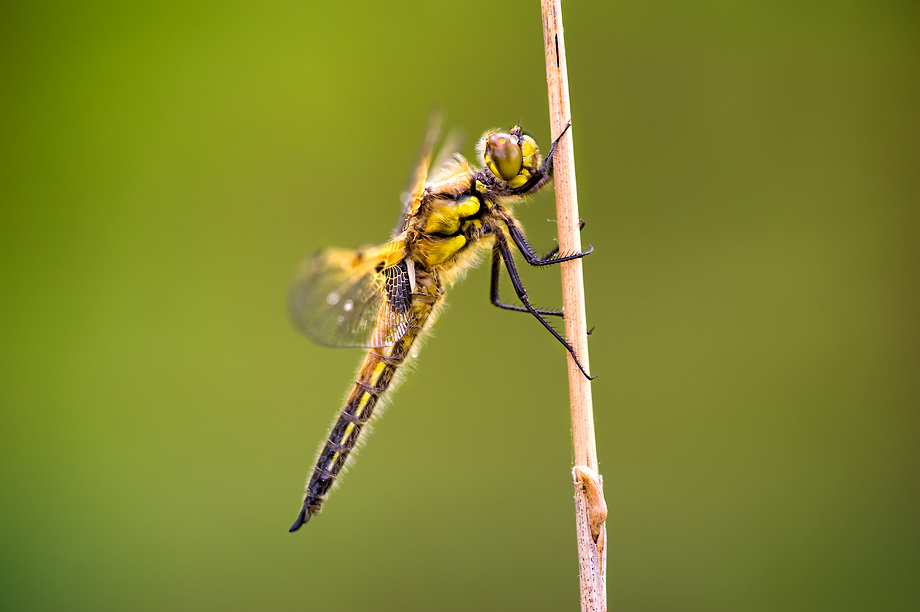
point(503, 155)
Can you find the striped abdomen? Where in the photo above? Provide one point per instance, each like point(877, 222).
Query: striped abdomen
point(374, 379)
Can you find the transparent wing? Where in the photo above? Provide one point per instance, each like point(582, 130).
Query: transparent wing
point(412, 196)
point(448, 158)
point(349, 298)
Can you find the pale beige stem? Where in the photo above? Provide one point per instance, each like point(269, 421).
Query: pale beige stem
point(588, 491)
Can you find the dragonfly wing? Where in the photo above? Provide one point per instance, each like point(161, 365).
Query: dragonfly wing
point(412, 196)
point(448, 158)
point(349, 298)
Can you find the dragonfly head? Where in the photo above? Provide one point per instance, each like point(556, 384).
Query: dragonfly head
point(510, 156)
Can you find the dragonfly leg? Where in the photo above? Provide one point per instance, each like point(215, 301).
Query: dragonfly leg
point(493, 293)
point(555, 250)
point(531, 256)
point(505, 251)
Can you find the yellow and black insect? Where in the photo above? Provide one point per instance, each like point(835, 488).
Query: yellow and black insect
point(384, 298)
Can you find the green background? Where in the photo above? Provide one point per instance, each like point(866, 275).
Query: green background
point(751, 181)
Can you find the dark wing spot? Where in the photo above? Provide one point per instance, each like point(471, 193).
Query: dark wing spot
point(399, 290)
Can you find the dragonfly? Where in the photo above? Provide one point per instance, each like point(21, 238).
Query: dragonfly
point(384, 298)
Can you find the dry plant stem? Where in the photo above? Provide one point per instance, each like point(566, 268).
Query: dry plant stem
point(569, 237)
point(589, 514)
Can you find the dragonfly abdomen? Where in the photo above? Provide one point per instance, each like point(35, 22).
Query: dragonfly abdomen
point(374, 379)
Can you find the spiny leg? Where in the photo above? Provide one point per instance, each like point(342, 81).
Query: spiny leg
point(502, 244)
point(496, 300)
point(530, 255)
point(493, 293)
point(552, 252)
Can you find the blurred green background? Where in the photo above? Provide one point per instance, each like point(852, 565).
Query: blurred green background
point(751, 181)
